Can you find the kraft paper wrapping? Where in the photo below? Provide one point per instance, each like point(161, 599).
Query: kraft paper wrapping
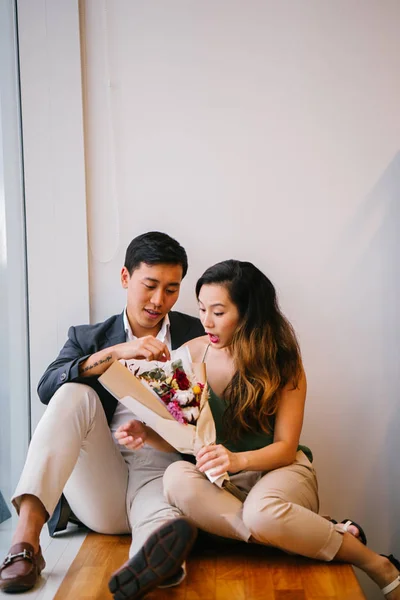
point(145, 404)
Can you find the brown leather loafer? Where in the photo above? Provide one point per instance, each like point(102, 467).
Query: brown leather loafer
point(21, 568)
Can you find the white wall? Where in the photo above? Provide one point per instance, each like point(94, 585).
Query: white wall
point(266, 131)
point(54, 178)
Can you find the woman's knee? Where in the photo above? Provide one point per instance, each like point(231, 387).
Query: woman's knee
point(266, 520)
point(176, 482)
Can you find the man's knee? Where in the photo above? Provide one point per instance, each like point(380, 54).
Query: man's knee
point(74, 395)
point(76, 402)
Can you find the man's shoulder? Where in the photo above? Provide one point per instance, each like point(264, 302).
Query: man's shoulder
point(180, 317)
point(184, 328)
point(98, 330)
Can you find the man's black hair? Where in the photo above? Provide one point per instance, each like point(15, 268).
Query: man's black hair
point(154, 248)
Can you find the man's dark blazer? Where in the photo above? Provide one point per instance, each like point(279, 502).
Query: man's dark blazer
point(83, 341)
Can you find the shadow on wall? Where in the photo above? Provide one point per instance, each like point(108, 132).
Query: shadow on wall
point(369, 286)
point(360, 308)
point(387, 190)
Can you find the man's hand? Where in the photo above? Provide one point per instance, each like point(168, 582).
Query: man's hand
point(132, 435)
point(147, 347)
point(219, 459)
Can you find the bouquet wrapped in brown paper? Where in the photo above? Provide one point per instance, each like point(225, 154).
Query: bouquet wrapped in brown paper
point(171, 398)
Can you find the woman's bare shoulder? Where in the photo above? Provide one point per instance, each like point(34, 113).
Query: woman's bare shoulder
point(197, 347)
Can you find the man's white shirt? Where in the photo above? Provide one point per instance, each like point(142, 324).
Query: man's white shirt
point(123, 414)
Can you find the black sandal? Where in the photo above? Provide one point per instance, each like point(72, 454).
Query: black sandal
point(347, 522)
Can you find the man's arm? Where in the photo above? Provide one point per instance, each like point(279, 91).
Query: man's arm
point(64, 369)
point(147, 347)
point(73, 364)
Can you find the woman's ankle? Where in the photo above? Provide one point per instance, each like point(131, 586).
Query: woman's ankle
point(382, 571)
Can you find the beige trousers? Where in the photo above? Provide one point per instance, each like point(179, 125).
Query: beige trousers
point(280, 509)
point(110, 489)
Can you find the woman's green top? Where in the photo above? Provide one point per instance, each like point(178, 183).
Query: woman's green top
point(249, 440)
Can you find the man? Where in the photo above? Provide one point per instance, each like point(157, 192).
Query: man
point(107, 487)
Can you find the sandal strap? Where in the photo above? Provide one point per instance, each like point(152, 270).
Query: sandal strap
point(25, 554)
point(392, 586)
point(346, 525)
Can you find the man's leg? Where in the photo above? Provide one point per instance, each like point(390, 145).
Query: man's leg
point(148, 508)
point(161, 538)
point(72, 449)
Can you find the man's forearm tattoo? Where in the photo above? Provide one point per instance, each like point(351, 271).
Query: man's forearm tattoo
point(96, 364)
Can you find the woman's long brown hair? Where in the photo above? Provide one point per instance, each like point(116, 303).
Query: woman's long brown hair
point(265, 350)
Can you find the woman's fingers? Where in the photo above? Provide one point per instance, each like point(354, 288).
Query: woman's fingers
point(214, 468)
point(204, 450)
point(212, 464)
point(205, 459)
point(213, 458)
point(211, 451)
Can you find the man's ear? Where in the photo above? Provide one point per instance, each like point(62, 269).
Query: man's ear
point(125, 277)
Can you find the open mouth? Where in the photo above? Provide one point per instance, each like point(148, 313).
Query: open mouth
point(153, 314)
point(214, 339)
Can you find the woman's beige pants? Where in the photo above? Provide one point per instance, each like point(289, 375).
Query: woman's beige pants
point(280, 509)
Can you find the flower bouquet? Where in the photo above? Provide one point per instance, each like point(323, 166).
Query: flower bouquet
point(180, 392)
point(172, 400)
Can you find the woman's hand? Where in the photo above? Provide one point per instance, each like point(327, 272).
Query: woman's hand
point(219, 459)
point(132, 435)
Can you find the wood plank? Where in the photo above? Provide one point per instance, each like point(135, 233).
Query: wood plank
point(222, 572)
point(259, 583)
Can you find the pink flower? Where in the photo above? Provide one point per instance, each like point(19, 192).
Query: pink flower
point(175, 392)
point(176, 411)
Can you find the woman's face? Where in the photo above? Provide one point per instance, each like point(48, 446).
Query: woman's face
point(219, 315)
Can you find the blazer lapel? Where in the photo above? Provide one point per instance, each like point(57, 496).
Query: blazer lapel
point(116, 333)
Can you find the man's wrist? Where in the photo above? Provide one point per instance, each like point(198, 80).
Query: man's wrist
point(119, 351)
point(115, 352)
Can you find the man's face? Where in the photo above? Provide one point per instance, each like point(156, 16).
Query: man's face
point(152, 292)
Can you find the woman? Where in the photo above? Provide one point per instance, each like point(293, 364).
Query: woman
point(257, 393)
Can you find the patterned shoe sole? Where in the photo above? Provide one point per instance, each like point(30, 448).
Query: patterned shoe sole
point(160, 557)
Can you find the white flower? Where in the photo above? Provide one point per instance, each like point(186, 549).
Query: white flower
point(191, 413)
point(184, 396)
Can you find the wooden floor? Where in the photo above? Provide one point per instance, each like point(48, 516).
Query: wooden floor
point(226, 572)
